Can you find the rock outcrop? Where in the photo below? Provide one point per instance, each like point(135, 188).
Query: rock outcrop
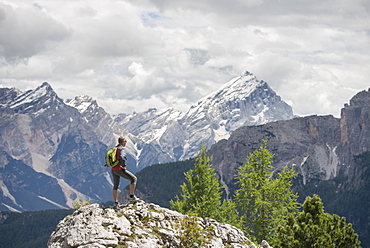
point(355, 126)
point(142, 225)
point(307, 144)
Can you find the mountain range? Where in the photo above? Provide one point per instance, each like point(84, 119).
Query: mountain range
point(321, 150)
point(53, 149)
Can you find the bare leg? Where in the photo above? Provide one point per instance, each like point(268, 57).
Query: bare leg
point(115, 195)
point(132, 189)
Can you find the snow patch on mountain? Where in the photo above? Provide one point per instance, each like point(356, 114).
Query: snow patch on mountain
point(246, 83)
point(221, 133)
point(10, 208)
point(81, 103)
point(31, 95)
point(52, 202)
point(260, 117)
point(6, 193)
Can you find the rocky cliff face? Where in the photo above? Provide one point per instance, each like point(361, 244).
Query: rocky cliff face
point(308, 144)
point(318, 147)
point(141, 225)
point(355, 126)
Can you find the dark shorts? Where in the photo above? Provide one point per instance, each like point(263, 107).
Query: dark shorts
point(122, 173)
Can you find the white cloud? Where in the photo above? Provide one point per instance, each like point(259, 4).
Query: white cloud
point(26, 32)
point(133, 55)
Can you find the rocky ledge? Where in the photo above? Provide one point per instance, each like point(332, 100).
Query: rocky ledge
point(143, 225)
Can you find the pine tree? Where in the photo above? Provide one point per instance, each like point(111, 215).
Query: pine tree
point(314, 228)
point(201, 193)
point(227, 213)
point(262, 200)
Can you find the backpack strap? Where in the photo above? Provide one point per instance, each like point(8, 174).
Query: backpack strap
point(118, 154)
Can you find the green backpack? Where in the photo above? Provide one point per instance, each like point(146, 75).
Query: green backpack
point(111, 157)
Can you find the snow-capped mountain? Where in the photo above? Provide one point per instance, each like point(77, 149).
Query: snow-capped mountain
point(244, 100)
point(107, 130)
point(53, 150)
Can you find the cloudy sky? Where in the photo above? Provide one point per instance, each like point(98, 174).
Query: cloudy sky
point(131, 55)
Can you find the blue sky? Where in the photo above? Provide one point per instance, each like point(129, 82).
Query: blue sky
point(135, 55)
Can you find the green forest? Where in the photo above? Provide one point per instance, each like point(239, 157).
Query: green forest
point(29, 229)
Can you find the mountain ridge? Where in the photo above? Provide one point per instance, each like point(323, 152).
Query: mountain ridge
point(60, 138)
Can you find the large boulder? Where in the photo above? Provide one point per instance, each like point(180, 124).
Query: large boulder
point(142, 225)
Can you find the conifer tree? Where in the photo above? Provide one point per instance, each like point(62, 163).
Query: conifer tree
point(201, 193)
point(227, 213)
point(262, 200)
point(314, 228)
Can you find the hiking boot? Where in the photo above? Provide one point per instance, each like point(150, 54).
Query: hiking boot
point(133, 199)
point(116, 205)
